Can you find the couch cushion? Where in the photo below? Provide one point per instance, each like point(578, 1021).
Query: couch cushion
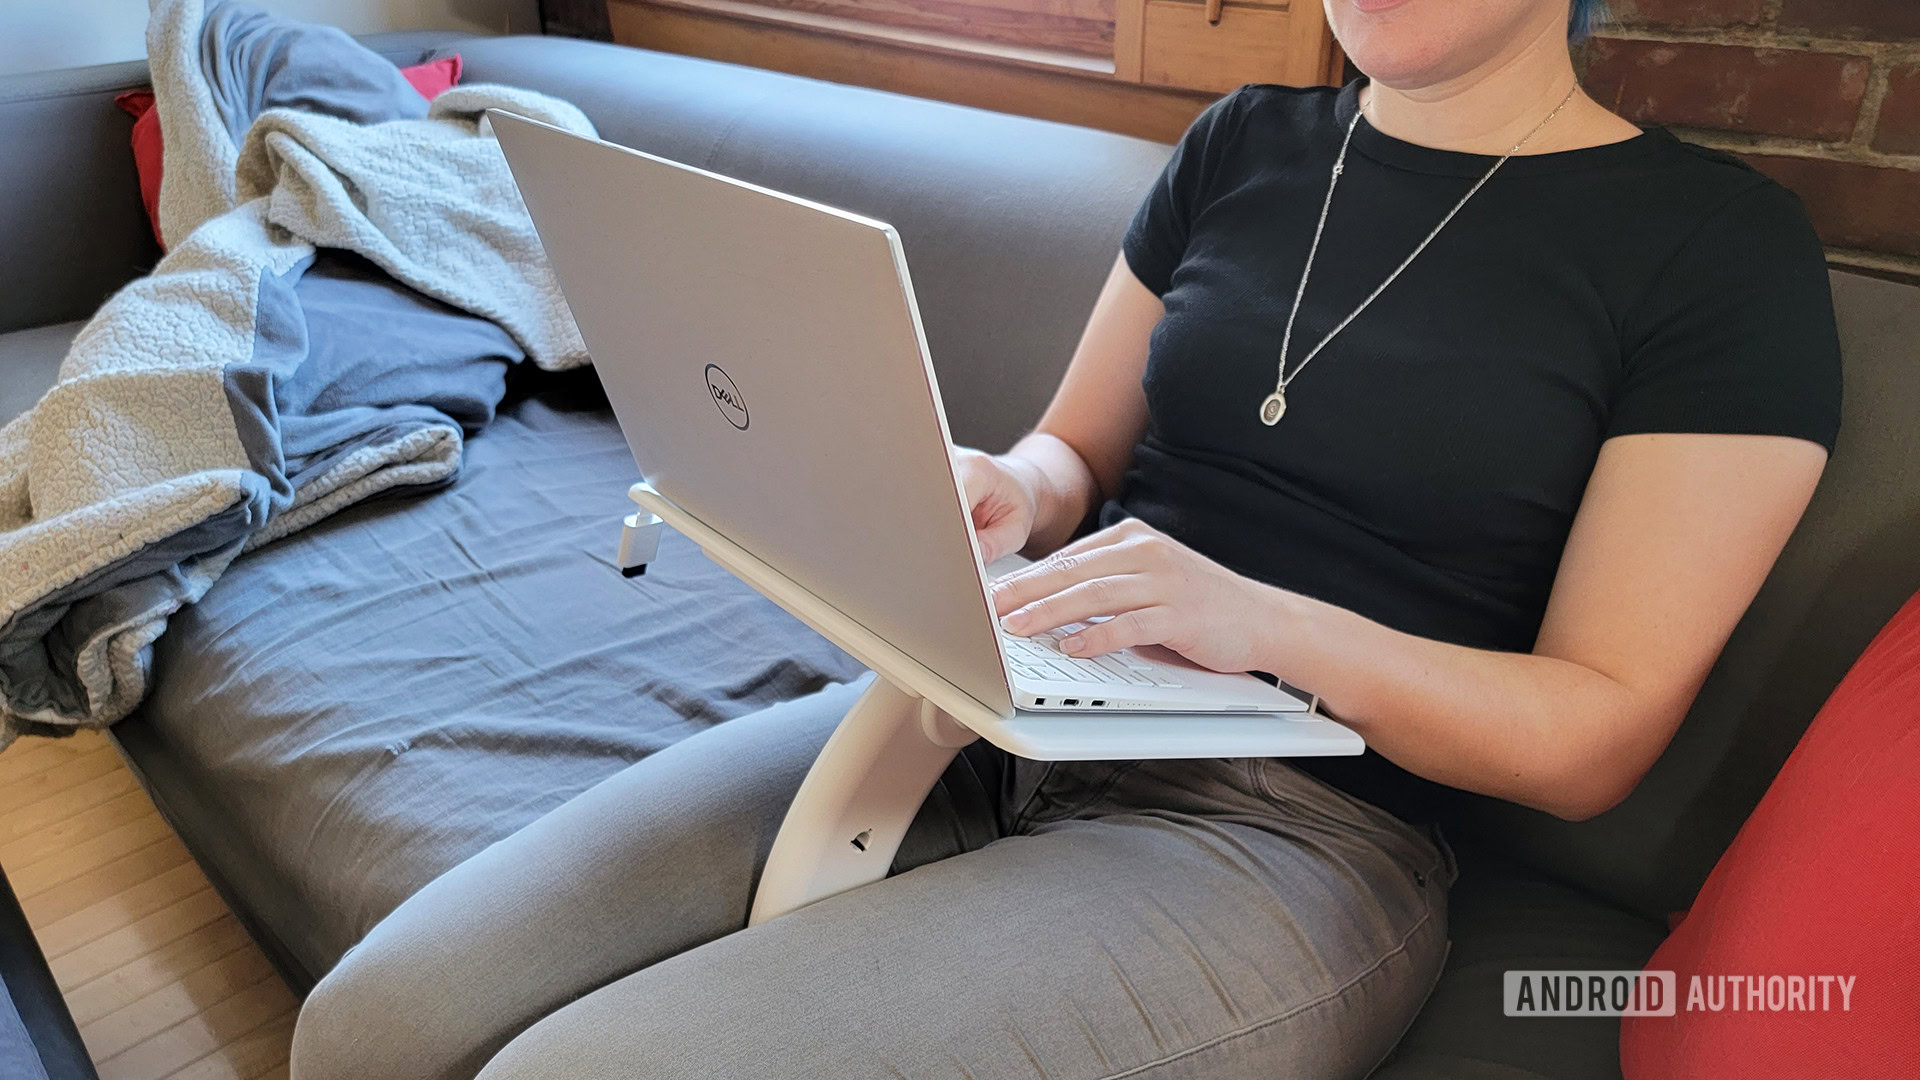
point(1847, 569)
point(354, 709)
point(1503, 917)
point(29, 362)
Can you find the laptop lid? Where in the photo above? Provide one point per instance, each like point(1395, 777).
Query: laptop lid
point(765, 359)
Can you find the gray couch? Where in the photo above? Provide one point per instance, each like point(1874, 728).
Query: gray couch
point(38, 1039)
point(322, 771)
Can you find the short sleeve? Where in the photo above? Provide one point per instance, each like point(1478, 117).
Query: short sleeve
point(1156, 241)
point(1736, 336)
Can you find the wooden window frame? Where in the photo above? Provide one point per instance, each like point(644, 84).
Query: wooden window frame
point(1147, 72)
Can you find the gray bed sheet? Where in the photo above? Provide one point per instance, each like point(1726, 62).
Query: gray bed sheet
point(352, 711)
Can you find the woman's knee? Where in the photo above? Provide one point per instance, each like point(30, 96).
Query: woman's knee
point(587, 1041)
point(340, 1026)
point(366, 1021)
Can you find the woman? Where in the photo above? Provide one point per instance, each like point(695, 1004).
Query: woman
point(1500, 505)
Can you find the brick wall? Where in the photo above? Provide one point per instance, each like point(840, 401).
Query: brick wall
point(1823, 95)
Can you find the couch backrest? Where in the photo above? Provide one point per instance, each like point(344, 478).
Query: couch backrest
point(70, 222)
point(71, 225)
point(1854, 559)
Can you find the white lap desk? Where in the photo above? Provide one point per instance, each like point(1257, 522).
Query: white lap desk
point(853, 809)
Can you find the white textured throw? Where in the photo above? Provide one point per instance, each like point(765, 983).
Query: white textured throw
point(138, 445)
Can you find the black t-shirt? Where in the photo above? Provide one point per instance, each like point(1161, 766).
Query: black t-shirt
point(1432, 457)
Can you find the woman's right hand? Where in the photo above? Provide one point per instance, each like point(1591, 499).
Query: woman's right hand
point(1003, 498)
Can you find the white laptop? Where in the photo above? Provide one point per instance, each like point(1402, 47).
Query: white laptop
point(765, 359)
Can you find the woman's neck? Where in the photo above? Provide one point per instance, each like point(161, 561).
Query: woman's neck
point(1489, 108)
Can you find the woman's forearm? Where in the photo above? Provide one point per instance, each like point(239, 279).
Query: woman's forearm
point(1539, 731)
point(1064, 488)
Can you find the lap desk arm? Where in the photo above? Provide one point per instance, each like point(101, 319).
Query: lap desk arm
point(853, 809)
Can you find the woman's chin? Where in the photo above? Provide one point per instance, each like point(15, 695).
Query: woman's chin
point(1401, 68)
point(1405, 56)
point(1410, 44)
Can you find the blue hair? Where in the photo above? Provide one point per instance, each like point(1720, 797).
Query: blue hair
point(1583, 16)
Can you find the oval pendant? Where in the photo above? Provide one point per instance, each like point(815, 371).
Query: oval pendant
point(1273, 408)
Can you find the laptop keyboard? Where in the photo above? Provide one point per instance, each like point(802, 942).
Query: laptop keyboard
point(1039, 657)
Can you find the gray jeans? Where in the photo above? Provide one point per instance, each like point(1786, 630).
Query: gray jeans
point(1210, 918)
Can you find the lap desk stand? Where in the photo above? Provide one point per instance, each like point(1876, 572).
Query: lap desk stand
point(853, 809)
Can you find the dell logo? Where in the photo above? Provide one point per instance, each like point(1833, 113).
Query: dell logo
point(726, 397)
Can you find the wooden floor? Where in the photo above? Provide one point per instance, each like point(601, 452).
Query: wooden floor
point(160, 977)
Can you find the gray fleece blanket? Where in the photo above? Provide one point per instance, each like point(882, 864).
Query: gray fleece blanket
point(349, 273)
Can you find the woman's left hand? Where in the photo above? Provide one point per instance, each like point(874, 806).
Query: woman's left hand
point(1153, 589)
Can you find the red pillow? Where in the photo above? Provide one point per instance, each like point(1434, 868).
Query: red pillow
point(430, 79)
point(147, 152)
point(1819, 882)
point(435, 77)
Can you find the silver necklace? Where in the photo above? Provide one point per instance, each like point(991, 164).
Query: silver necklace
point(1274, 405)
